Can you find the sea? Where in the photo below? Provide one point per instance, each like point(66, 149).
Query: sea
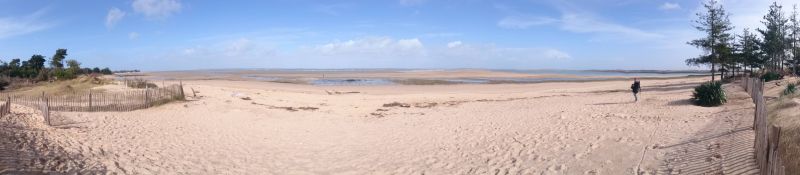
point(580, 75)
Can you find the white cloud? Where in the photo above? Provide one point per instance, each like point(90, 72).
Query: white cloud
point(440, 34)
point(556, 54)
point(238, 47)
point(517, 22)
point(453, 44)
point(748, 13)
point(333, 9)
point(670, 6)
point(241, 52)
point(385, 51)
point(114, 16)
point(13, 26)
point(491, 52)
point(382, 47)
point(363, 52)
point(373, 45)
point(411, 2)
point(189, 51)
point(157, 9)
point(581, 23)
point(133, 35)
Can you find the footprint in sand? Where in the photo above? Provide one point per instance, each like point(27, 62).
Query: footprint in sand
point(579, 155)
point(556, 168)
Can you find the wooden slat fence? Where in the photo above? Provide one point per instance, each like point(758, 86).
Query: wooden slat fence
point(767, 155)
point(93, 101)
point(105, 101)
point(5, 108)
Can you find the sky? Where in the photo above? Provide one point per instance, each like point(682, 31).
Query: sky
point(427, 34)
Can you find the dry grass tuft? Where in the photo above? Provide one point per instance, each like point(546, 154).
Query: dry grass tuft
point(785, 113)
point(81, 83)
point(397, 104)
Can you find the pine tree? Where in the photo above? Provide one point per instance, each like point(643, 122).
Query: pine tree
point(714, 22)
point(774, 42)
point(794, 40)
point(749, 51)
point(57, 61)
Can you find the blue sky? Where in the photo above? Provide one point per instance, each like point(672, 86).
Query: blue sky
point(203, 34)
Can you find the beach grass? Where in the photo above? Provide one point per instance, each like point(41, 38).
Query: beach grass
point(785, 113)
point(82, 83)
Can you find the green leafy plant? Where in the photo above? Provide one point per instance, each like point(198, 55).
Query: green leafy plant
point(3, 84)
point(709, 94)
point(769, 76)
point(791, 88)
point(61, 74)
point(140, 84)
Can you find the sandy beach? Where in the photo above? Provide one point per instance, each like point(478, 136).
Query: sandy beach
point(253, 127)
point(552, 87)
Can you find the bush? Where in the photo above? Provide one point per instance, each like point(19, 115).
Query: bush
point(140, 84)
point(106, 71)
point(790, 89)
point(42, 75)
point(769, 76)
point(3, 84)
point(63, 74)
point(709, 94)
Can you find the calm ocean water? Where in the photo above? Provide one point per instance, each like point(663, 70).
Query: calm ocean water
point(611, 73)
point(586, 74)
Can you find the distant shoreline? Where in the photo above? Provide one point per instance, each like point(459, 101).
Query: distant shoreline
point(654, 71)
point(433, 69)
point(376, 77)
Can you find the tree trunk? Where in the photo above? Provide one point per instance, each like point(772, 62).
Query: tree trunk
point(712, 71)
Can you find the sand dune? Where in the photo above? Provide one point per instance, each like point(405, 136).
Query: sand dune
point(242, 127)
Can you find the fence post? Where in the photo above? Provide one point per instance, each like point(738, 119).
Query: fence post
point(180, 87)
point(90, 100)
point(8, 105)
point(146, 97)
point(45, 108)
point(774, 157)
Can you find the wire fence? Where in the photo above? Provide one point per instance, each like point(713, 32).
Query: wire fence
point(767, 154)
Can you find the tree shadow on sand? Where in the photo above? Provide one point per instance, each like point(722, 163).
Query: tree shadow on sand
point(670, 87)
point(681, 102)
point(612, 103)
point(723, 146)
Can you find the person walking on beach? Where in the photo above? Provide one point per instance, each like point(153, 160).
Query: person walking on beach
point(635, 87)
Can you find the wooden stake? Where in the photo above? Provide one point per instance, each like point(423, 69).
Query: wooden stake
point(90, 100)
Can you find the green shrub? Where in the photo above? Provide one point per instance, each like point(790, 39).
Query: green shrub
point(769, 76)
point(42, 75)
point(3, 84)
point(106, 71)
point(709, 94)
point(140, 84)
point(63, 74)
point(790, 89)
